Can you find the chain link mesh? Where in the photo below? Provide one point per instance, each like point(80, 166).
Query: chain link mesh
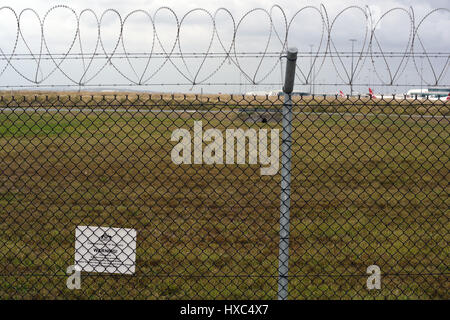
point(369, 186)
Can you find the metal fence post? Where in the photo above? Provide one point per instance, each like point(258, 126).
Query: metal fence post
point(286, 151)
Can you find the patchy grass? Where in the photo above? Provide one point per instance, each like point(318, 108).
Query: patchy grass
point(365, 190)
point(132, 100)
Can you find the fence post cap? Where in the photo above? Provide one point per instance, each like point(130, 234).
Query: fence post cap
point(292, 52)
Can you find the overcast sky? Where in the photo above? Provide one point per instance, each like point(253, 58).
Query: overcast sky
point(306, 33)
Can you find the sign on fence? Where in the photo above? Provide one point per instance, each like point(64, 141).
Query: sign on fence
point(103, 249)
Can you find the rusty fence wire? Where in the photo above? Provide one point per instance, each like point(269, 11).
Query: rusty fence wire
point(198, 179)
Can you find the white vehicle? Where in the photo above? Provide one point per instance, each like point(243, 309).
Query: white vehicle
point(429, 94)
point(257, 93)
point(433, 94)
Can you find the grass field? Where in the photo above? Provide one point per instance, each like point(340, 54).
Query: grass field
point(366, 189)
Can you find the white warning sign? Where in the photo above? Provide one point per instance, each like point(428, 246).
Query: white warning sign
point(104, 249)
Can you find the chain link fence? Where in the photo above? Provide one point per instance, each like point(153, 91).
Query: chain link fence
point(198, 179)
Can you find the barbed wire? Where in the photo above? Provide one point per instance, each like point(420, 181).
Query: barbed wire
point(109, 52)
point(140, 55)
